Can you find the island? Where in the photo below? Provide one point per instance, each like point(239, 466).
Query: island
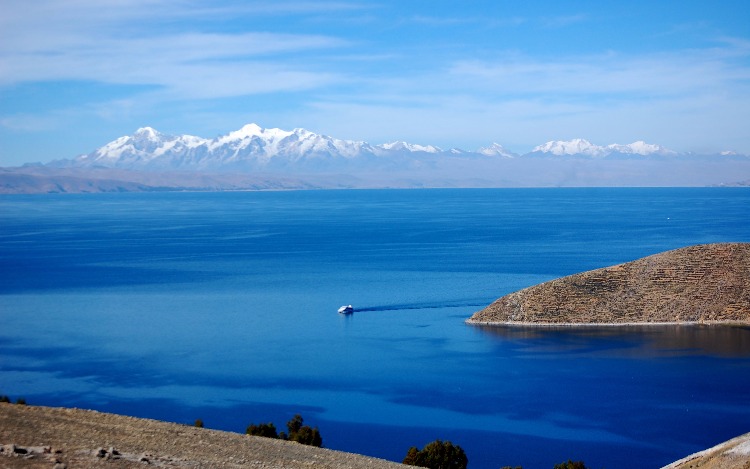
point(707, 283)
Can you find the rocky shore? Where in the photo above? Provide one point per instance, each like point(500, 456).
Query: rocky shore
point(56, 438)
point(706, 284)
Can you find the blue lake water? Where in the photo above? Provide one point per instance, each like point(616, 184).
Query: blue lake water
point(222, 306)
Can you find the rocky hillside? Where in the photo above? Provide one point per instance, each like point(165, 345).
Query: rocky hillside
point(703, 283)
point(56, 438)
point(732, 454)
point(44, 437)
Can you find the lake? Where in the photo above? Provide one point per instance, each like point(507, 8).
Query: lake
point(222, 306)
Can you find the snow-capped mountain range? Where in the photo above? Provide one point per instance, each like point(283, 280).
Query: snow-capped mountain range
point(250, 144)
point(254, 158)
point(253, 147)
point(580, 146)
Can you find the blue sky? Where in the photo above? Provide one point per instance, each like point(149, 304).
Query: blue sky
point(76, 74)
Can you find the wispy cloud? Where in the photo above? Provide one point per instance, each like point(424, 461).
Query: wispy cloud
point(86, 43)
point(378, 70)
point(170, 61)
point(514, 98)
point(643, 75)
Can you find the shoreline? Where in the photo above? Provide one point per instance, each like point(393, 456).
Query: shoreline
point(730, 323)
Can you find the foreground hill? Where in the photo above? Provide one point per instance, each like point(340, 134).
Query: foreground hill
point(704, 283)
point(731, 454)
point(44, 437)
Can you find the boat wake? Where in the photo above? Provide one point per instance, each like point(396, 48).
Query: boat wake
point(435, 305)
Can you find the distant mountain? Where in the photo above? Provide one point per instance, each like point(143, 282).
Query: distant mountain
point(256, 148)
point(496, 150)
point(254, 158)
point(580, 146)
point(251, 147)
point(408, 147)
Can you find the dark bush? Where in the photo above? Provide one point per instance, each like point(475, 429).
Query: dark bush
point(5, 399)
point(267, 430)
point(437, 455)
point(571, 465)
point(21, 401)
point(303, 433)
point(198, 423)
point(307, 436)
point(294, 425)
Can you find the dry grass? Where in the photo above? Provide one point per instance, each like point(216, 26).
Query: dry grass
point(732, 454)
point(706, 284)
point(74, 438)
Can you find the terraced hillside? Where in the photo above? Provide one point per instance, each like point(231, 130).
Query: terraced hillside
point(703, 283)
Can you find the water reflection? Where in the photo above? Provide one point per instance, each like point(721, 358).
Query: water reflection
point(728, 341)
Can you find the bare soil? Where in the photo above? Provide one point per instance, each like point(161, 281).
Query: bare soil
point(707, 284)
point(45, 437)
point(34, 437)
point(732, 454)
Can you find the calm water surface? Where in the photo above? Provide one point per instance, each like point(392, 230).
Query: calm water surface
point(222, 306)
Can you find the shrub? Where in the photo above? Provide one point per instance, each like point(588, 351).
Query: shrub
point(5, 399)
point(307, 436)
point(294, 424)
point(198, 423)
point(21, 401)
point(437, 455)
point(303, 434)
point(267, 430)
point(571, 465)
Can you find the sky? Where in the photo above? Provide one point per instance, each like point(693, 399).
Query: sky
point(77, 74)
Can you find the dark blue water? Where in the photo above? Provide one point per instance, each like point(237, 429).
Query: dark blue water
point(222, 306)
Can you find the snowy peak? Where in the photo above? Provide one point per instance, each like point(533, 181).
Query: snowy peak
point(496, 150)
point(254, 130)
point(640, 148)
point(144, 145)
point(581, 146)
point(577, 146)
point(148, 132)
point(247, 131)
point(410, 147)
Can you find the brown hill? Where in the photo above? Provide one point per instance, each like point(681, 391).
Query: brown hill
point(703, 283)
point(44, 437)
point(732, 454)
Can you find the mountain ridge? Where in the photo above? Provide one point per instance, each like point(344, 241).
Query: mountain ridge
point(255, 147)
point(256, 158)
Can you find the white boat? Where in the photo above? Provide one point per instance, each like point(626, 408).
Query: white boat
point(346, 309)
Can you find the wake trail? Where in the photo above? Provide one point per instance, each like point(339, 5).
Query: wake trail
point(415, 306)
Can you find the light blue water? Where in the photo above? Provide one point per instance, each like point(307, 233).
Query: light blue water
point(222, 306)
